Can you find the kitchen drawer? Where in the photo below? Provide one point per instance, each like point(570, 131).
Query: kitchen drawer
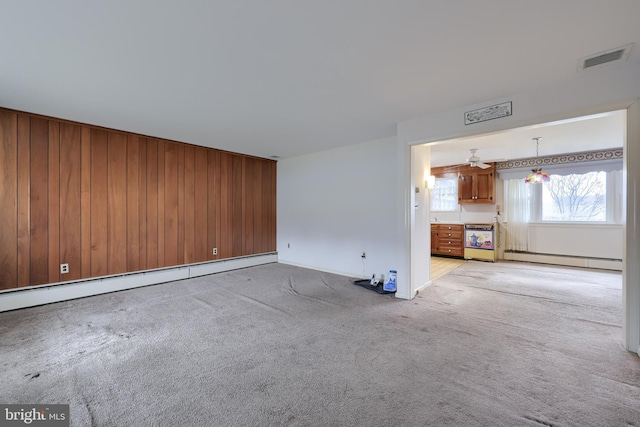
point(444, 242)
point(450, 234)
point(453, 251)
point(449, 227)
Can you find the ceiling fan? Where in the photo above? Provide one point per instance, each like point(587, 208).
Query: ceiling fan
point(474, 161)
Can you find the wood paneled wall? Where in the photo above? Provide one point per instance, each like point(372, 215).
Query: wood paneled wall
point(109, 202)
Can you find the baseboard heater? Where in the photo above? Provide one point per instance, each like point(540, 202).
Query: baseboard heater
point(566, 260)
point(55, 292)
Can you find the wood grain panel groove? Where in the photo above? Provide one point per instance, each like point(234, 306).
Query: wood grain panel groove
point(152, 204)
point(142, 204)
point(162, 262)
point(170, 204)
point(8, 200)
point(212, 218)
point(85, 202)
point(189, 205)
point(117, 203)
point(54, 202)
point(201, 203)
point(70, 200)
point(24, 200)
point(39, 203)
point(133, 206)
point(99, 201)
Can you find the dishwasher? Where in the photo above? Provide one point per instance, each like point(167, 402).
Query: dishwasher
point(479, 242)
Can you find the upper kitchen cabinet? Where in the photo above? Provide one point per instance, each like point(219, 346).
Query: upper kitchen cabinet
point(476, 185)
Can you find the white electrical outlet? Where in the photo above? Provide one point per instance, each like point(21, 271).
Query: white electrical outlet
point(215, 251)
point(64, 268)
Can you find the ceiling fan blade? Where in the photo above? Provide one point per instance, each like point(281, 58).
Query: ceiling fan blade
point(482, 165)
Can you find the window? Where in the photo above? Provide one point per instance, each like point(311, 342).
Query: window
point(575, 197)
point(444, 195)
point(584, 196)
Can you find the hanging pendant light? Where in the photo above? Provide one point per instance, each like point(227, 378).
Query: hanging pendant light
point(537, 175)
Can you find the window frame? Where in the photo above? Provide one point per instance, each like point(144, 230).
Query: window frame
point(614, 210)
point(608, 161)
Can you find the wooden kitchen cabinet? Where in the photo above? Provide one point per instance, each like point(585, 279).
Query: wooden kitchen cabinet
point(476, 186)
point(434, 239)
point(447, 239)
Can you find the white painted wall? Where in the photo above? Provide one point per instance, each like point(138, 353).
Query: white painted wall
point(334, 204)
point(592, 92)
point(404, 202)
point(420, 222)
point(580, 240)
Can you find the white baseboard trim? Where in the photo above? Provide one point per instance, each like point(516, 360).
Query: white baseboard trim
point(423, 287)
point(55, 292)
point(398, 294)
point(311, 267)
point(605, 264)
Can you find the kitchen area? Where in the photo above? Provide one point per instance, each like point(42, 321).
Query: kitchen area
point(467, 226)
point(468, 216)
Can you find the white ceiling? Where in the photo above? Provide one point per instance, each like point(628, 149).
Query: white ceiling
point(289, 77)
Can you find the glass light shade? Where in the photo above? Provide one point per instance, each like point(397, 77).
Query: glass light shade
point(536, 176)
point(430, 182)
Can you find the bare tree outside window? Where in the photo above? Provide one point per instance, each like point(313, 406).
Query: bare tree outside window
point(575, 197)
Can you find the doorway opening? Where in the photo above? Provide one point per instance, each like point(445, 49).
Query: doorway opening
point(566, 136)
point(583, 201)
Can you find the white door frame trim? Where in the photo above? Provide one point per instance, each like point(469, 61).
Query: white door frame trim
point(631, 267)
point(631, 254)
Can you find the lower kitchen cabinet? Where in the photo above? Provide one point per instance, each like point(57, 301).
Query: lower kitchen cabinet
point(447, 239)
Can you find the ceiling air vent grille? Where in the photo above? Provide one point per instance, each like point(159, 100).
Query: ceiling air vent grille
point(608, 57)
point(602, 59)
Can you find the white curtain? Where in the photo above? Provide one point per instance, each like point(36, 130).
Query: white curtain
point(518, 211)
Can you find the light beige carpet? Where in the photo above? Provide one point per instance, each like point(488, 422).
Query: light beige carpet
point(503, 344)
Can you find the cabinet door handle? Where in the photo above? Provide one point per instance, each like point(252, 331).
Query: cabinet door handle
point(449, 234)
